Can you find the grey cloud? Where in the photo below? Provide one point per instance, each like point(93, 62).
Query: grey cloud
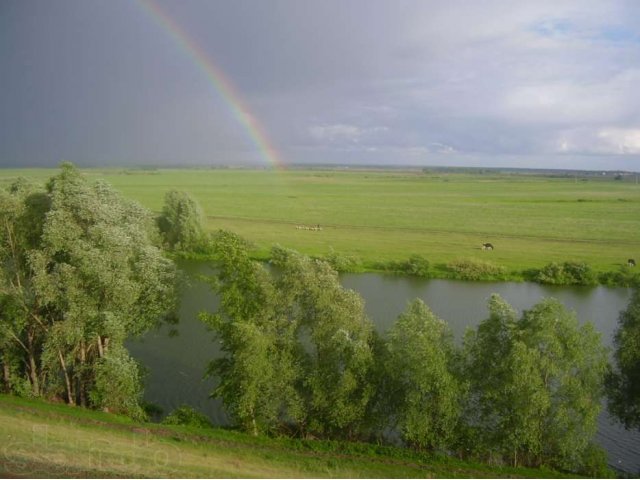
point(364, 81)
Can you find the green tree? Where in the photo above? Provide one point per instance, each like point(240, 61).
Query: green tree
point(180, 223)
point(624, 381)
point(296, 344)
point(425, 394)
point(536, 384)
point(335, 344)
point(257, 373)
point(486, 351)
point(22, 326)
point(85, 276)
point(571, 364)
point(117, 383)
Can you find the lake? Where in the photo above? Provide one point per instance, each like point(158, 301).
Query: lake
point(176, 364)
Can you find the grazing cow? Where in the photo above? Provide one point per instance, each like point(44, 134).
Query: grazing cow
point(631, 262)
point(487, 246)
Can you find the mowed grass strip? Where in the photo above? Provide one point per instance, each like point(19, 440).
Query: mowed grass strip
point(381, 216)
point(44, 440)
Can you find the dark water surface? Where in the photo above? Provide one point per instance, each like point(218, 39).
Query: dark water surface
point(177, 364)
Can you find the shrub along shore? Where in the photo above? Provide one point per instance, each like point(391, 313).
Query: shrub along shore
point(563, 273)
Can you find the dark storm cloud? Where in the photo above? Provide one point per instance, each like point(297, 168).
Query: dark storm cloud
point(546, 83)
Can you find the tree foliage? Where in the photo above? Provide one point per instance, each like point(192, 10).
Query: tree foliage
point(567, 273)
point(426, 395)
point(256, 373)
point(468, 269)
point(80, 274)
point(180, 223)
point(624, 381)
point(300, 353)
point(296, 344)
point(186, 415)
point(535, 383)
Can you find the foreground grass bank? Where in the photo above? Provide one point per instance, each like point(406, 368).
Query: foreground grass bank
point(387, 216)
point(46, 440)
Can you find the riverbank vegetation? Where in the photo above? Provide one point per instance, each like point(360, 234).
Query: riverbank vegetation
point(83, 269)
point(380, 218)
point(301, 358)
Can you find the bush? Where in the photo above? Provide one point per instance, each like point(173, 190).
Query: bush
point(467, 269)
point(625, 277)
point(118, 385)
point(186, 415)
point(594, 463)
point(567, 273)
point(343, 263)
point(417, 265)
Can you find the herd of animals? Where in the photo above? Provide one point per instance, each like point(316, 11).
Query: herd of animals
point(485, 246)
point(314, 228)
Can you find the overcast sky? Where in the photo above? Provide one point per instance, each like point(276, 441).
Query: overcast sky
point(478, 83)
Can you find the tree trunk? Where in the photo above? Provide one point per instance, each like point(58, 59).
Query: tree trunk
point(70, 398)
point(33, 367)
point(33, 375)
point(254, 424)
point(6, 376)
point(100, 349)
point(82, 380)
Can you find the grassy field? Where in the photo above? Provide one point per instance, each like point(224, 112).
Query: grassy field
point(381, 216)
point(45, 440)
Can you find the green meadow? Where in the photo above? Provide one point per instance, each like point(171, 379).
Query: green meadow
point(387, 215)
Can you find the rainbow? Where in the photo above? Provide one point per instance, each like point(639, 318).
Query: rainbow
point(220, 82)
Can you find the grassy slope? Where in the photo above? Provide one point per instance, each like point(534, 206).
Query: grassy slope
point(381, 216)
point(45, 440)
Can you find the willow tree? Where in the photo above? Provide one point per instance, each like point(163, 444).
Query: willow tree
point(22, 325)
point(181, 223)
point(257, 372)
point(536, 385)
point(425, 395)
point(296, 344)
point(336, 344)
point(91, 277)
point(624, 381)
